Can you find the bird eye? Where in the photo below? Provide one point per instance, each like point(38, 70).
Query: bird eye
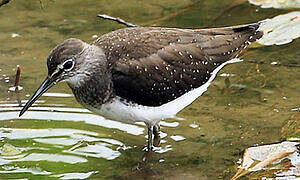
point(68, 65)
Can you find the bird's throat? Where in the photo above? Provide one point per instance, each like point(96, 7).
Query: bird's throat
point(91, 90)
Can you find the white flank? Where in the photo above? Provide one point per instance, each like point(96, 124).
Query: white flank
point(130, 113)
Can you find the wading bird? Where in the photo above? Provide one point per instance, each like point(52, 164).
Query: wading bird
point(144, 73)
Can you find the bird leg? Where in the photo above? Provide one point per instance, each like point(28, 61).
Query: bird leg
point(156, 141)
point(149, 146)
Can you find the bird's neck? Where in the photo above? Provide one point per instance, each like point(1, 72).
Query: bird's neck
point(92, 84)
point(93, 90)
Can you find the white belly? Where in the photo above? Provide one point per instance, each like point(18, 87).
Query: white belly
point(128, 112)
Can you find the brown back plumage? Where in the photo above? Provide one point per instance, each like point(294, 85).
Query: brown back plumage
point(152, 66)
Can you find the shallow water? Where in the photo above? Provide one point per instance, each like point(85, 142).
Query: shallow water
point(57, 138)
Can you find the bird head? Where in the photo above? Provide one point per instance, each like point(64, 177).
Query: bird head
point(66, 62)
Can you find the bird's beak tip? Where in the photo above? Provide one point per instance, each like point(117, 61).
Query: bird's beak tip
point(47, 84)
point(20, 114)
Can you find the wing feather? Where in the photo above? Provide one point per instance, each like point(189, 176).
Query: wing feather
point(152, 66)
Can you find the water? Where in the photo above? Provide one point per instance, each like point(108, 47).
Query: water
point(57, 138)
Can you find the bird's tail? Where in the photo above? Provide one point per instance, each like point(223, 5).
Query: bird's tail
point(250, 29)
point(226, 43)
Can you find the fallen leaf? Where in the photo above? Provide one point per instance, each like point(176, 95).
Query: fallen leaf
point(281, 29)
point(260, 157)
point(278, 4)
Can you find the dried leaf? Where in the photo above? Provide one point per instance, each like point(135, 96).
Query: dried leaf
point(278, 4)
point(258, 158)
point(281, 29)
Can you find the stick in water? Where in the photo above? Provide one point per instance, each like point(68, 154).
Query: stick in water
point(17, 82)
point(121, 21)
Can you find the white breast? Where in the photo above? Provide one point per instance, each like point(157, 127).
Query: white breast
point(128, 112)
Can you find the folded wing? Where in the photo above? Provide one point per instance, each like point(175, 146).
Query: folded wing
point(153, 66)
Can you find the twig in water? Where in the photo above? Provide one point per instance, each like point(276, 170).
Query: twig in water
point(17, 82)
point(18, 74)
point(4, 2)
point(121, 21)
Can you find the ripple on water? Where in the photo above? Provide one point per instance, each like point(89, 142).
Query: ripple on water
point(66, 137)
point(62, 145)
point(13, 169)
point(98, 150)
point(75, 175)
point(57, 95)
point(74, 148)
point(87, 118)
point(71, 146)
point(46, 157)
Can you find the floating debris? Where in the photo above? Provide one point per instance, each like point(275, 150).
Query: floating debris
point(169, 124)
point(278, 4)
point(15, 88)
point(178, 138)
point(161, 160)
point(295, 109)
point(193, 125)
point(9, 150)
point(262, 157)
point(240, 86)
point(226, 75)
point(293, 139)
point(14, 35)
point(281, 29)
point(161, 149)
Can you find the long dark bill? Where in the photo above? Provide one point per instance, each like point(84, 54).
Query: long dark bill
point(47, 84)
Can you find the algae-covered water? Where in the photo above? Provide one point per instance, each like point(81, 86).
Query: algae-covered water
point(246, 105)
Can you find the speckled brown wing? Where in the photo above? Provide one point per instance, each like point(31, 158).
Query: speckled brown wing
point(152, 66)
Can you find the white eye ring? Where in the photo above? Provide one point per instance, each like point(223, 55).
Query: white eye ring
point(68, 65)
